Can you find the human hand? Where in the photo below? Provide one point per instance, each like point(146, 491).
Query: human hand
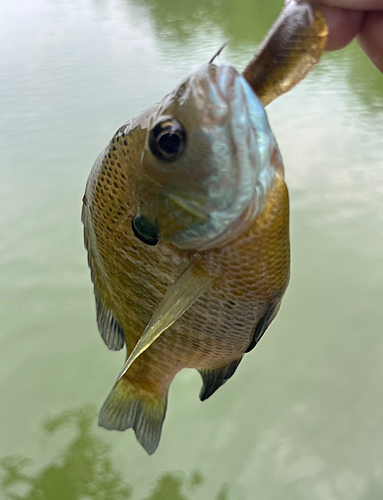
point(362, 19)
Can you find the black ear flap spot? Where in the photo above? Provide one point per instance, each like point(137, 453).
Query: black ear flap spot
point(144, 230)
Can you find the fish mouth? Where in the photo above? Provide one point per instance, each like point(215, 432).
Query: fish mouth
point(145, 230)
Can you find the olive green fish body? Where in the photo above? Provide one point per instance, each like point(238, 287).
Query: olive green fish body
point(186, 223)
point(131, 277)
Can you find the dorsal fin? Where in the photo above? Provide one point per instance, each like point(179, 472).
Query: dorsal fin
point(110, 330)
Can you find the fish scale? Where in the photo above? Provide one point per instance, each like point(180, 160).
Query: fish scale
point(218, 328)
point(243, 264)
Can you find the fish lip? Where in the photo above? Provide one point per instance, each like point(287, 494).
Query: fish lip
point(144, 230)
point(213, 90)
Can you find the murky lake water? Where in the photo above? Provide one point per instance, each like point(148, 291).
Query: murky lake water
point(303, 416)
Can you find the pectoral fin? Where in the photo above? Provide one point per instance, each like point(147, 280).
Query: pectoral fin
point(191, 285)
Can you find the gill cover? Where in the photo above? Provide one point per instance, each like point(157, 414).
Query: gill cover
point(208, 163)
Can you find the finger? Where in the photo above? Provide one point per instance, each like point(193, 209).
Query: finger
point(370, 38)
point(355, 4)
point(343, 26)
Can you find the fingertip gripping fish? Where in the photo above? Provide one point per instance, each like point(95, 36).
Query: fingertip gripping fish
point(186, 225)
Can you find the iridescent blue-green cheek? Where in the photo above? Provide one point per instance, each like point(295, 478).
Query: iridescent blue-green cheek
point(208, 164)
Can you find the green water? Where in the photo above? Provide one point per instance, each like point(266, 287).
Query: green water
point(303, 416)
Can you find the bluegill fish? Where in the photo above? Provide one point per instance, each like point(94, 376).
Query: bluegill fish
point(186, 223)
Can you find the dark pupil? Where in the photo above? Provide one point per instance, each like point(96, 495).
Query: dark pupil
point(167, 140)
point(170, 143)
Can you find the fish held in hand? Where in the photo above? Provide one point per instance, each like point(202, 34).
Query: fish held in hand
point(186, 224)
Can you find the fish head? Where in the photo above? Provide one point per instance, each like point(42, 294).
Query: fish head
point(207, 164)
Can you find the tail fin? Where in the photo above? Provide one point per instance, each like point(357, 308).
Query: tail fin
point(126, 407)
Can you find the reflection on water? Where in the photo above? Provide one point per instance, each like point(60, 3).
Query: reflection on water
point(241, 20)
point(367, 84)
point(84, 470)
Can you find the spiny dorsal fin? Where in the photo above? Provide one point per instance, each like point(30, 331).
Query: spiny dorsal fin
point(213, 379)
point(191, 285)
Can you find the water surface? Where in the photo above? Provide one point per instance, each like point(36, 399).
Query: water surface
point(303, 416)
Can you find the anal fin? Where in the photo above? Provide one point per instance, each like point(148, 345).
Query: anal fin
point(215, 378)
point(127, 407)
point(263, 324)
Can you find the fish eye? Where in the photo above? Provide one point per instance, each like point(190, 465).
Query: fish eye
point(167, 140)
